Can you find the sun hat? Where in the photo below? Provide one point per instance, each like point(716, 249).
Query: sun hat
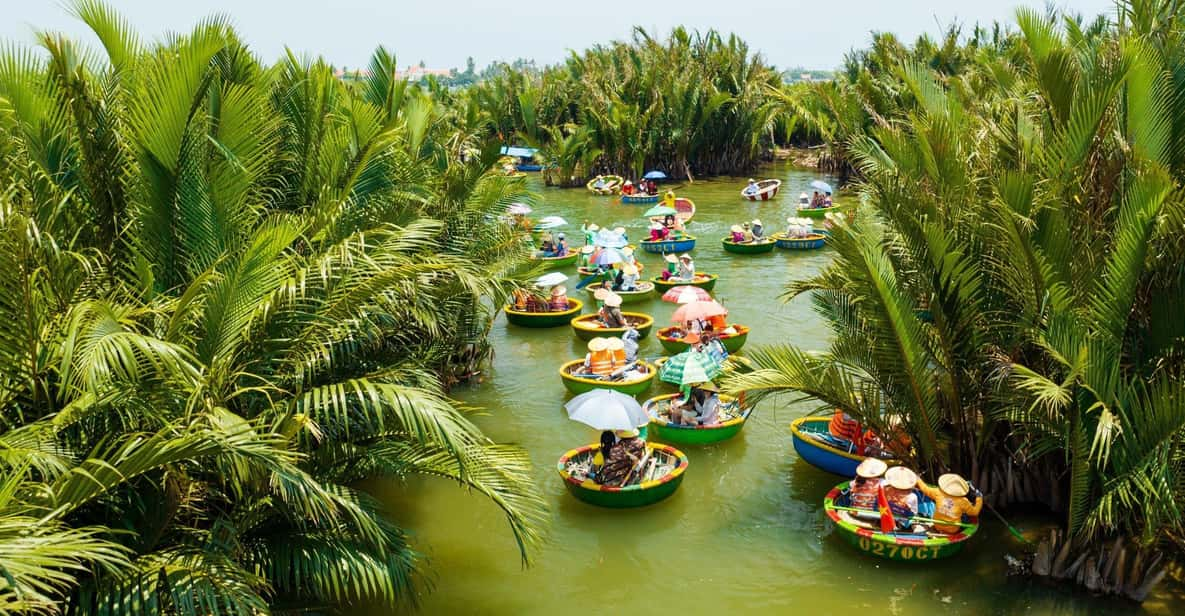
point(630, 269)
point(614, 344)
point(685, 257)
point(669, 258)
point(597, 345)
point(901, 478)
point(735, 228)
point(562, 236)
point(751, 180)
point(629, 182)
point(691, 338)
point(757, 222)
point(708, 386)
point(599, 176)
point(871, 468)
point(587, 250)
point(613, 301)
point(627, 251)
point(745, 225)
point(802, 195)
point(601, 293)
point(619, 230)
point(953, 485)
point(559, 290)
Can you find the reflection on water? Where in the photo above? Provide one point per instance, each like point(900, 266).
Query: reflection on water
point(745, 531)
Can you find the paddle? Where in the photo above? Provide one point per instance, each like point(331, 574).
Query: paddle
point(912, 519)
point(587, 281)
point(1011, 529)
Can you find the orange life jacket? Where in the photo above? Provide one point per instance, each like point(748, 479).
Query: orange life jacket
point(844, 427)
point(600, 362)
point(618, 358)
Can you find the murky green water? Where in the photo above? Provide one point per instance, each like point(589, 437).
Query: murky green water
point(746, 530)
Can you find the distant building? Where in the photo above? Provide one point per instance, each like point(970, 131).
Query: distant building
point(416, 73)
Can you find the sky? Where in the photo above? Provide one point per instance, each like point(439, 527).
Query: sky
point(442, 33)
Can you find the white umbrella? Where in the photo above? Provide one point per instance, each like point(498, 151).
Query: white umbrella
point(518, 208)
point(550, 279)
point(550, 222)
point(606, 409)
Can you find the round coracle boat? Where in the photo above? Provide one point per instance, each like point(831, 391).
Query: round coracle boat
point(766, 190)
point(523, 318)
point(731, 419)
point(578, 382)
point(551, 263)
point(640, 294)
point(684, 210)
point(702, 280)
point(862, 530)
point(814, 443)
point(748, 248)
point(587, 327)
point(732, 342)
point(639, 199)
point(683, 244)
point(810, 242)
point(656, 481)
point(612, 185)
point(822, 212)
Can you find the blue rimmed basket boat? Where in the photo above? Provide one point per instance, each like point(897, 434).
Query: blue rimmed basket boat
point(683, 244)
point(810, 242)
point(823, 453)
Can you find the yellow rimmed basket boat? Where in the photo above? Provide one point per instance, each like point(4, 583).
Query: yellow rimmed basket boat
point(731, 342)
point(523, 318)
point(810, 242)
point(748, 248)
point(612, 185)
point(658, 482)
point(579, 384)
point(641, 293)
point(866, 535)
point(702, 280)
point(663, 430)
point(587, 327)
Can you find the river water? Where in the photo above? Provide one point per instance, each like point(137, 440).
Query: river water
point(745, 531)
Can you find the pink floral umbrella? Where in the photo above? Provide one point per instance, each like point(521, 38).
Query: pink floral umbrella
point(698, 311)
point(686, 294)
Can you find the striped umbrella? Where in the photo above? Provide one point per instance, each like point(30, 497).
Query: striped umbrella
point(686, 294)
point(690, 367)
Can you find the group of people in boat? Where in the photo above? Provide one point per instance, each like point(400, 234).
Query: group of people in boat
point(643, 187)
point(618, 457)
point(815, 201)
point(909, 498)
point(613, 359)
point(679, 269)
point(700, 407)
point(747, 233)
point(799, 228)
point(527, 300)
point(550, 247)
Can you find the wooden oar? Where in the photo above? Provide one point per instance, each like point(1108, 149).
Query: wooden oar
point(1011, 529)
point(912, 519)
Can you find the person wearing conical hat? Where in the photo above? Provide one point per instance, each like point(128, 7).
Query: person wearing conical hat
point(599, 360)
point(559, 299)
point(600, 294)
point(803, 199)
point(599, 184)
point(951, 502)
point(629, 277)
point(751, 189)
point(586, 252)
point(686, 268)
point(737, 234)
point(758, 228)
point(899, 491)
point(628, 188)
point(672, 266)
point(616, 346)
point(590, 232)
point(864, 488)
point(610, 313)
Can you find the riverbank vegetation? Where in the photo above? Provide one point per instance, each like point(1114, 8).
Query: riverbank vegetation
point(1012, 295)
point(229, 291)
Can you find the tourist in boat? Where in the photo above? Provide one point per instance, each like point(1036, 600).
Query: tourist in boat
point(610, 313)
point(600, 183)
point(546, 244)
point(672, 266)
point(599, 359)
point(737, 234)
point(629, 278)
point(668, 222)
point(748, 234)
point(559, 299)
point(520, 299)
point(816, 200)
point(627, 253)
point(561, 246)
point(803, 200)
point(865, 488)
point(758, 229)
point(705, 399)
point(686, 268)
point(712, 344)
point(658, 232)
point(590, 232)
point(586, 254)
point(628, 188)
point(951, 502)
point(622, 458)
point(827, 200)
point(751, 189)
point(618, 276)
point(899, 491)
point(629, 340)
point(845, 428)
point(677, 227)
point(608, 440)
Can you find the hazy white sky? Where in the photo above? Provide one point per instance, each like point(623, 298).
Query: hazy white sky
point(814, 34)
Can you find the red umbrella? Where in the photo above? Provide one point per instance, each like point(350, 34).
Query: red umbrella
point(698, 311)
point(686, 294)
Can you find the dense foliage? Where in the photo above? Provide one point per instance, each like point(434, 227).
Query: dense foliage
point(1014, 290)
point(228, 291)
point(696, 104)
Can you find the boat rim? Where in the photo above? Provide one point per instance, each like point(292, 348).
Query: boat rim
point(559, 313)
point(651, 371)
point(648, 405)
point(578, 323)
point(680, 466)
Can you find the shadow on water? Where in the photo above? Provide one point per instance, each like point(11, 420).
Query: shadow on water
point(745, 531)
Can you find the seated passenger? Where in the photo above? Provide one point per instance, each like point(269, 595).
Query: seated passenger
point(559, 299)
point(629, 278)
point(758, 229)
point(751, 189)
point(737, 234)
point(611, 316)
point(867, 484)
point(622, 459)
point(600, 183)
point(686, 268)
point(950, 501)
point(672, 266)
point(899, 491)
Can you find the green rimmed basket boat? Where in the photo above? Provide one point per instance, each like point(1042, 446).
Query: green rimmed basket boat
point(822, 212)
point(586, 326)
point(702, 280)
point(579, 385)
point(748, 248)
point(544, 319)
point(664, 430)
point(810, 242)
point(867, 537)
point(638, 495)
point(642, 293)
point(551, 263)
point(612, 185)
point(732, 342)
